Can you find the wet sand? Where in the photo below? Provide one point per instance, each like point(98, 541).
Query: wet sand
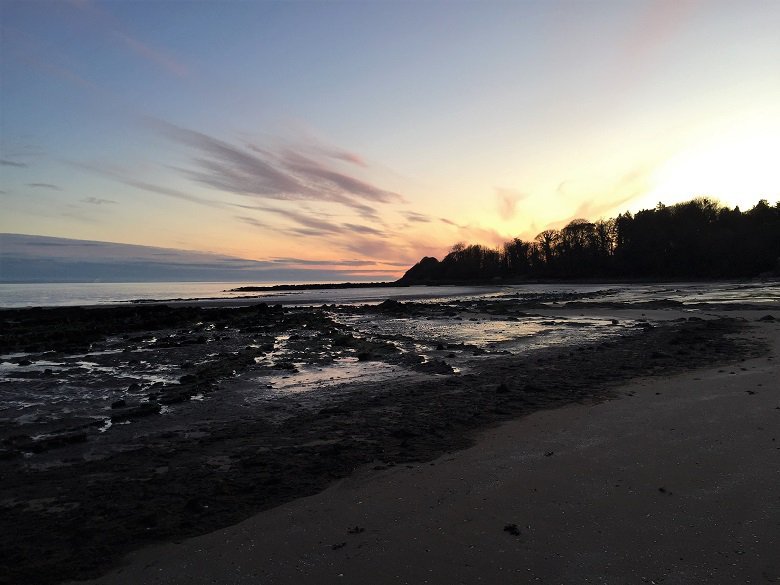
point(71, 509)
point(674, 482)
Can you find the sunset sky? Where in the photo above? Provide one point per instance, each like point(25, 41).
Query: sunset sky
point(364, 135)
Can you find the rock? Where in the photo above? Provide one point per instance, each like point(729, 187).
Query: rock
point(435, 367)
point(139, 411)
point(767, 318)
point(512, 529)
point(343, 340)
point(58, 440)
point(390, 305)
point(118, 403)
point(175, 397)
point(134, 387)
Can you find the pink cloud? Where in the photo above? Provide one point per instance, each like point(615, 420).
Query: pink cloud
point(107, 22)
point(156, 56)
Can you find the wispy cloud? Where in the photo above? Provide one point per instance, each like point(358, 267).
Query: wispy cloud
point(507, 200)
point(305, 262)
point(371, 247)
point(363, 229)
point(476, 234)
point(627, 187)
point(155, 55)
point(98, 201)
point(12, 163)
point(269, 173)
point(309, 223)
point(111, 25)
point(415, 217)
point(655, 25)
point(347, 156)
point(251, 221)
point(44, 186)
point(317, 173)
point(126, 178)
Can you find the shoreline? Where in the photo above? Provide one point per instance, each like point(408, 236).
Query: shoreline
point(672, 482)
point(215, 467)
point(277, 293)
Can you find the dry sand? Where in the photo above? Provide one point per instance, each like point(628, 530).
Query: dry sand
point(678, 481)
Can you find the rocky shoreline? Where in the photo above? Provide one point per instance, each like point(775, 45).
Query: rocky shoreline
point(196, 455)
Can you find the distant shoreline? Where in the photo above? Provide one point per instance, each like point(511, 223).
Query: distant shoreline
point(492, 282)
point(318, 286)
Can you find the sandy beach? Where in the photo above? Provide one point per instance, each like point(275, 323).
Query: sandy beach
point(674, 481)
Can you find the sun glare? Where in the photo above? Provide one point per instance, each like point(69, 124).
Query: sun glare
point(737, 169)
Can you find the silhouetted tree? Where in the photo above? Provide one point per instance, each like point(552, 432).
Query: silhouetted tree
point(696, 238)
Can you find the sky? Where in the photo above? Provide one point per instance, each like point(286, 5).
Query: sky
point(361, 136)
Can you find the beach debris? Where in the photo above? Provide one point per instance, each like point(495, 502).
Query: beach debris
point(512, 529)
point(356, 530)
point(338, 545)
point(549, 453)
point(502, 388)
point(767, 318)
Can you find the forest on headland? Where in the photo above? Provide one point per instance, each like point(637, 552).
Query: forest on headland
point(698, 239)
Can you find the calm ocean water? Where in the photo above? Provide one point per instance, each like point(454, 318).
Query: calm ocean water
point(73, 294)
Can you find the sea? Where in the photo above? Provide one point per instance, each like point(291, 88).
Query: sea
point(76, 294)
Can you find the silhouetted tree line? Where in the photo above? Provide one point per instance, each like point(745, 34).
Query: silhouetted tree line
point(696, 239)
